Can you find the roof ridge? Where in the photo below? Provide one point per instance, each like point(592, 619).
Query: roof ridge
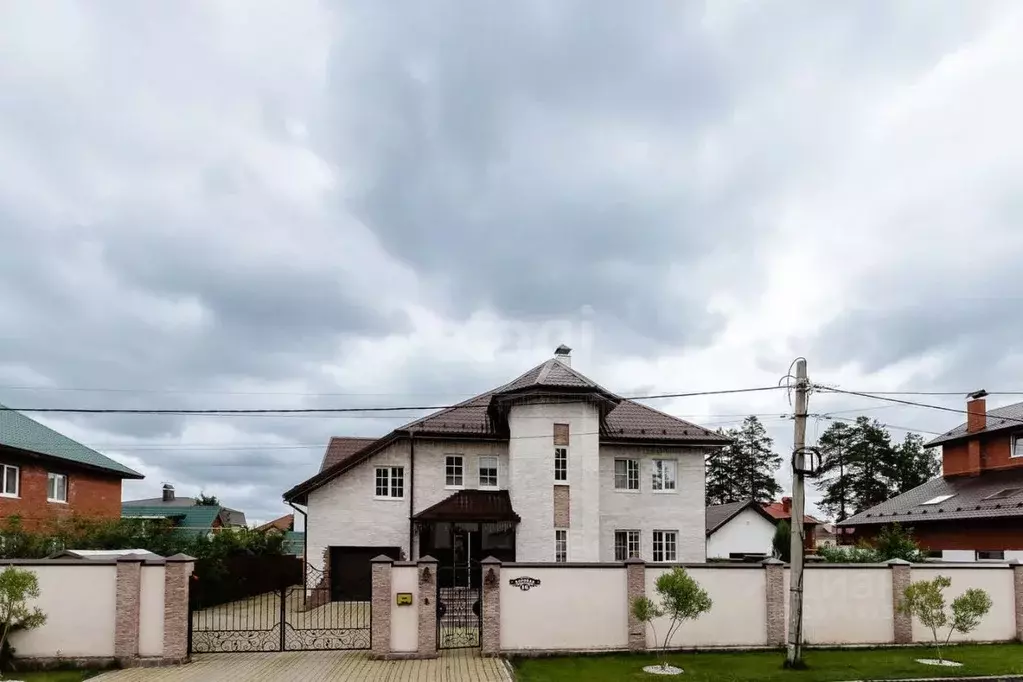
point(545, 371)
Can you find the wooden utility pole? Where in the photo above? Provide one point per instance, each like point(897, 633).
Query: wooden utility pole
point(794, 657)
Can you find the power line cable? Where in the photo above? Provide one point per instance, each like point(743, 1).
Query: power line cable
point(911, 403)
point(330, 410)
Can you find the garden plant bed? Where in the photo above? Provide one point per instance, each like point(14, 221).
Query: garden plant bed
point(823, 665)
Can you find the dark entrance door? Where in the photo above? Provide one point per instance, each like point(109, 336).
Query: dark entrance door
point(351, 573)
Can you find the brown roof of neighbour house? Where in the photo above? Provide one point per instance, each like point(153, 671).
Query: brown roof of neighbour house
point(990, 495)
point(341, 448)
point(283, 524)
point(998, 419)
point(720, 514)
point(626, 421)
point(777, 511)
point(472, 505)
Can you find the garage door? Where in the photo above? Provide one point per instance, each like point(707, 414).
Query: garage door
point(351, 573)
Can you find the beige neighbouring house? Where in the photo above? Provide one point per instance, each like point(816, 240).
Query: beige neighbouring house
point(549, 467)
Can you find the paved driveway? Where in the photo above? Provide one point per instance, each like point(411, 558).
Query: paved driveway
point(463, 665)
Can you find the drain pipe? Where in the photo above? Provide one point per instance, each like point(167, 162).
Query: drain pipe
point(411, 491)
point(305, 544)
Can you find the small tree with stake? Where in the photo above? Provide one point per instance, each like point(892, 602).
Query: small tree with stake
point(682, 599)
point(17, 586)
point(925, 600)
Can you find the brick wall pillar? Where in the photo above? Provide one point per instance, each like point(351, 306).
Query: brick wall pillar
point(177, 576)
point(902, 622)
point(1017, 574)
point(635, 580)
point(126, 619)
point(774, 572)
point(381, 605)
point(427, 569)
point(490, 637)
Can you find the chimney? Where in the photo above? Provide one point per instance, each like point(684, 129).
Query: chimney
point(168, 492)
point(786, 505)
point(976, 412)
point(563, 354)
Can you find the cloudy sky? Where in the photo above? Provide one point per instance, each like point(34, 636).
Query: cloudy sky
point(305, 204)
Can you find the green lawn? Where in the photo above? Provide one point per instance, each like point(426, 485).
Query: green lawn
point(766, 666)
point(51, 676)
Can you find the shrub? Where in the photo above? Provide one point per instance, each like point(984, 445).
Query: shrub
point(893, 542)
point(925, 599)
point(782, 541)
point(17, 587)
point(682, 599)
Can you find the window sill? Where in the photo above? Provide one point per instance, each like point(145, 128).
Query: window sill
point(664, 492)
point(489, 487)
point(10, 496)
point(632, 491)
point(388, 499)
point(564, 483)
point(56, 501)
point(454, 487)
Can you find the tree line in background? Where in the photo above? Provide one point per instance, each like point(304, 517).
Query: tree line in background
point(860, 466)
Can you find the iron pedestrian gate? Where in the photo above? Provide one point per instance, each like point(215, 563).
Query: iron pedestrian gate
point(292, 618)
point(459, 606)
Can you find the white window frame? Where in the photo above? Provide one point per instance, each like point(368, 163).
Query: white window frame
point(660, 465)
point(632, 545)
point(632, 466)
point(52, 476)
point(1017, 450)
point(497, 472)
point(392, 480)
point(664, 545)
point(454, 469)
point(561, 453)
point(560, 546)
point(10, 470)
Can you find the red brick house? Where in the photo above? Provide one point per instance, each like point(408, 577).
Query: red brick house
point(782, 511)
point(46, 476)
point(974, 510)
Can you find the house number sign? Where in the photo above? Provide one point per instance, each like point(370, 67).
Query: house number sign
point(524, 583)
point(404, 599)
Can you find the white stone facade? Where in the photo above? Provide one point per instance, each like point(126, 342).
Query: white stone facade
point(745, 533)
point(346, 512)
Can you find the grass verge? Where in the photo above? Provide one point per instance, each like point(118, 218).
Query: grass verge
point(823, 665)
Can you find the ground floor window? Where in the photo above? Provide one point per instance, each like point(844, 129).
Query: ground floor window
point(560, 546)
point(626, 545)
point(56, 487)
point(665, 544)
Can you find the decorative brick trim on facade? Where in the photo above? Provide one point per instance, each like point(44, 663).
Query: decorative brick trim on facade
point(1017, 576)
point(490, 637)
point(561, 434)
point(774, 573)
point(635, 579)
point(177, 573)
point(126, 619)
point(381, 607)
point(562, 509)
point(902, 622)
point(427, 607)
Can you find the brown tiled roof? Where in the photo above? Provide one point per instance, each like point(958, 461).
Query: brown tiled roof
point(970, 500)
point(340, 448)
point(283, 524)
point(472, 505)
point(777, 511)
point(627, 421)
point(1008, 417)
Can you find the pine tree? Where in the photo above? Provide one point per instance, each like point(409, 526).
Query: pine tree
point(861, 468)
point(744, 470)
point(721, 486)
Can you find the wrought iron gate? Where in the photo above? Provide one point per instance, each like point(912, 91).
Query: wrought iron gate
point(459, 609)
point(292, 618)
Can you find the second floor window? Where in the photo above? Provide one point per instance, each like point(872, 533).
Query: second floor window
point(560, 464)
point(453, 477)
point(663, 479)
point(390, 482)
point(626, 474)
point(1017, 447)
point(56, 487)
point(488, 472)
point(10, 482)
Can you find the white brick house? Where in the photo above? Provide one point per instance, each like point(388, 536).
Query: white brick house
point(549, 467)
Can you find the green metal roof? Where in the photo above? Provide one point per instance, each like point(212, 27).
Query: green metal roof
point(198, 519)
point(23, 433)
